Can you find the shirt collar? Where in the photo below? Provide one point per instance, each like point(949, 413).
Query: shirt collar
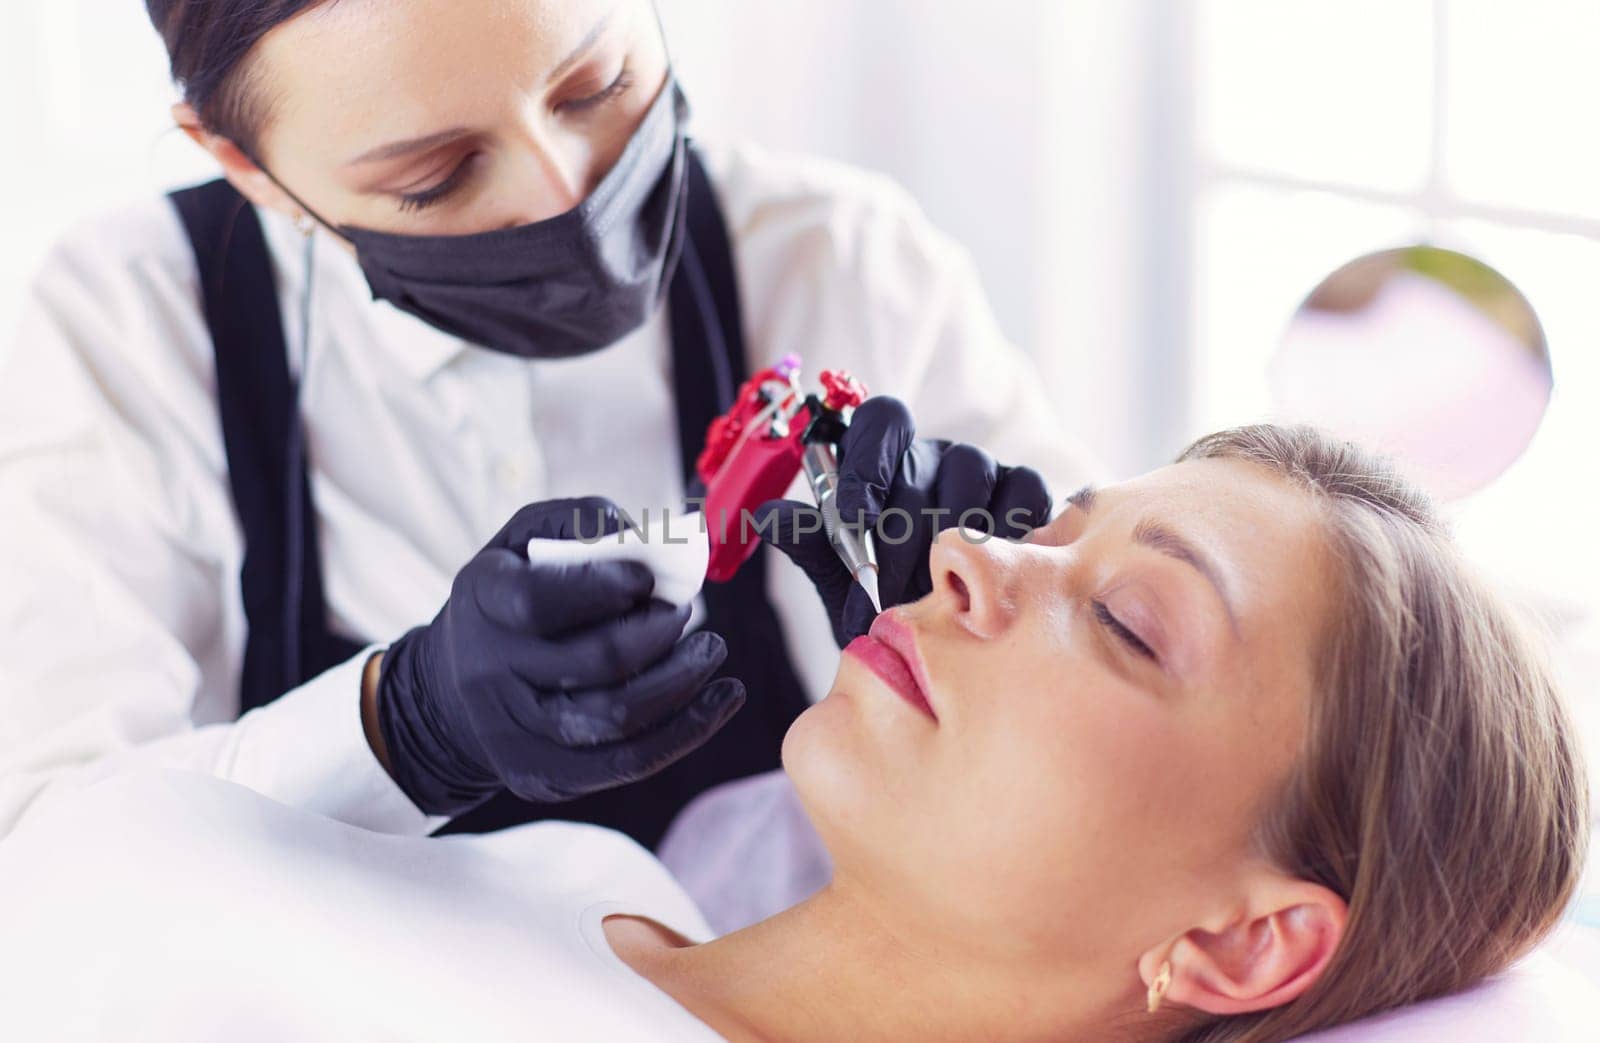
point(415, 346)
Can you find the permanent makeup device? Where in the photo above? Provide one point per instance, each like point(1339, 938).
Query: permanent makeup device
point(773, 432)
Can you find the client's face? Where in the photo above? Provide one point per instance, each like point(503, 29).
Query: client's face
point(1109, 708)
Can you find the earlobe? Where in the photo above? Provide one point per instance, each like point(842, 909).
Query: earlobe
point(1263, 959)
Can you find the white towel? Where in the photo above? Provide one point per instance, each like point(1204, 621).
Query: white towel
point(675, 547)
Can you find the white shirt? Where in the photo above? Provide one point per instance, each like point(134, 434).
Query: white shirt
point(225, 916)
point(121, 626)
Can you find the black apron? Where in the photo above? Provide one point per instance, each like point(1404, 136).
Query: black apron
point(281, 580)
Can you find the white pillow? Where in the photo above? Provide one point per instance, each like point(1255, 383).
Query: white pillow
point(1551, 996)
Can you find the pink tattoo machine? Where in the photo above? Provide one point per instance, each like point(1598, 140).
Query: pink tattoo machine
point(772, 432)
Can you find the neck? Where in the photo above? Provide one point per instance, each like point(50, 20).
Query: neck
point(832, 968)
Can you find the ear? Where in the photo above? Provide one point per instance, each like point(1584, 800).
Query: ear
point(1260, 958)
point(240, 170)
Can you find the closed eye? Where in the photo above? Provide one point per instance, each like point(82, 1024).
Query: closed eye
point(411, 202)
point(615, 89)
point(1116, 626)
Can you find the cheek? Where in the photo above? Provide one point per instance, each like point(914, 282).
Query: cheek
point(1124, 776)
point(1126, 802)
point(1074, 774)
point(1068, 800)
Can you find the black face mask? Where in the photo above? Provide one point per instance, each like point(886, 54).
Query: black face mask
point(565, 286)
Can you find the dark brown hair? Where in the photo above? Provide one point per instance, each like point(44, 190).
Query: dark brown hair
point(209, 44)
point(1441, 792)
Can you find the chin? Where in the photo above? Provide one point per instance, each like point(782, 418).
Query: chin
point(816, 737)
point(824, 760)
point(847, 789)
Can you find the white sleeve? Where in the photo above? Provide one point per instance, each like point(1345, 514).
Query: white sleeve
point(120, 625)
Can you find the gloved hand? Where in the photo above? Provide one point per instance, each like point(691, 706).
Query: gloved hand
point(550, 680)
point(883, 466)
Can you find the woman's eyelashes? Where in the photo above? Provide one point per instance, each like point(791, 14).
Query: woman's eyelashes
point(1121, 631)
point(411, 202)
point(619, 86)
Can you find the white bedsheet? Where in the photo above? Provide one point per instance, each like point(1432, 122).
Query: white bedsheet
point(176, 907)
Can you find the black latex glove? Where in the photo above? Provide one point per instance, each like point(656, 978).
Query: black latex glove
point(883, 466)
point(550, 680)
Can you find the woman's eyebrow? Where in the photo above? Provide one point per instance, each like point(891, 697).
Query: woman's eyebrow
point(1159, 538)
point(584, 46)
point(1163, 540)
point(396, 149)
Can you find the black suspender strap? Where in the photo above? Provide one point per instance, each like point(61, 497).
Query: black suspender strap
point(289, 641)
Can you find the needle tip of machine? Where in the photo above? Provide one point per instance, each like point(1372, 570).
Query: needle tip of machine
point(867, 576)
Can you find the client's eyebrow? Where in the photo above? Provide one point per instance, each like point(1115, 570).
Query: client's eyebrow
point(1159, 538)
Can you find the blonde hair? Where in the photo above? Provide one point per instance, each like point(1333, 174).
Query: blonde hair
point(1441, 792)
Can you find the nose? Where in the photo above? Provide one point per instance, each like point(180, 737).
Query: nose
point(978, 575)
point(556, 175)
point(559, 163)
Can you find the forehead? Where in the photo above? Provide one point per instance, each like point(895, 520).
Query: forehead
point(1241, 505)
point(375, 70)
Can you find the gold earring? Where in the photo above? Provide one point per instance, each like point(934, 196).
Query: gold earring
point(1158, 987)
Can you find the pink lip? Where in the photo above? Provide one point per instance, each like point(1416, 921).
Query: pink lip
point(889, 650)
